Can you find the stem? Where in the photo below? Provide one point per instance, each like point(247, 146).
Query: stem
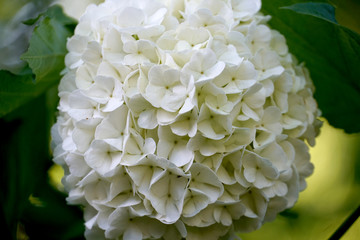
point(346, 225)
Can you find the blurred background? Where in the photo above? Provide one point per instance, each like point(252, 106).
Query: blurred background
point(333, 191)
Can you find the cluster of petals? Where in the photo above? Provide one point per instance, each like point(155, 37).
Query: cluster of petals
point(182, 119)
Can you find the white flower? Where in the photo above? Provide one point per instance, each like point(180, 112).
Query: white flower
point(123, 222)
point(259, 171)
point(77, 46)
point(114, 128)
point(174, 148)
point(122, 192)
point(138, 51)
point(163, 184)
point(268, 128)
point(136, 148)
point(235, 79)
point(83, 133)
point(268, 64)
point(205, 181)
point(106, 91)
point(75, 8)
point(203, 66)
point(245, 9)
point(282, 86)
point(205, 18)
point(258, 37)
point(185, 124)
point(226, 213)
point(182, 119)
point(252, 103)
point(255, 209)
point(169, 89)
point(82, 107)
point(102, 157)
point(212, 125)
point(193, 38)
point(77, 165)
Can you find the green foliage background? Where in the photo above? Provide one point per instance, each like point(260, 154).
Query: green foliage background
point(32, 207)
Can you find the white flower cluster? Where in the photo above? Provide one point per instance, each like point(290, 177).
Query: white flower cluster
point(182, 119)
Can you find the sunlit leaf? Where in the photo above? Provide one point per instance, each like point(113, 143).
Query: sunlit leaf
point(45, 57)
point(47, 50)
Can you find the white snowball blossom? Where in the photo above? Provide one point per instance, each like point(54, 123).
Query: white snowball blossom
point(182, 119)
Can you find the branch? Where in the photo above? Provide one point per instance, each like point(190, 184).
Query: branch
point(346, 225)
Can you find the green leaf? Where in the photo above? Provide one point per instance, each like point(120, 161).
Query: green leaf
point(289, 214)
point(16, 90)
point(330, 51)
point(49, 217)
point(47, 50)
point(320, 10)
point(45, 58)
point(54, 12)
point(25, 157)
point(26, 196)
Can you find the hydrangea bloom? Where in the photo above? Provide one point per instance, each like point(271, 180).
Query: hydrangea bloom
point(182, 119)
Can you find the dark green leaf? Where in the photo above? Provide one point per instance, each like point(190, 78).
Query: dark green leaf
point(24, 155)
point(16, 90)
point(290, 214)
point(25, 71)
point(51, 218)
point(31, 21)
point(47, 50)
point(332, 54)
point(321, 10)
